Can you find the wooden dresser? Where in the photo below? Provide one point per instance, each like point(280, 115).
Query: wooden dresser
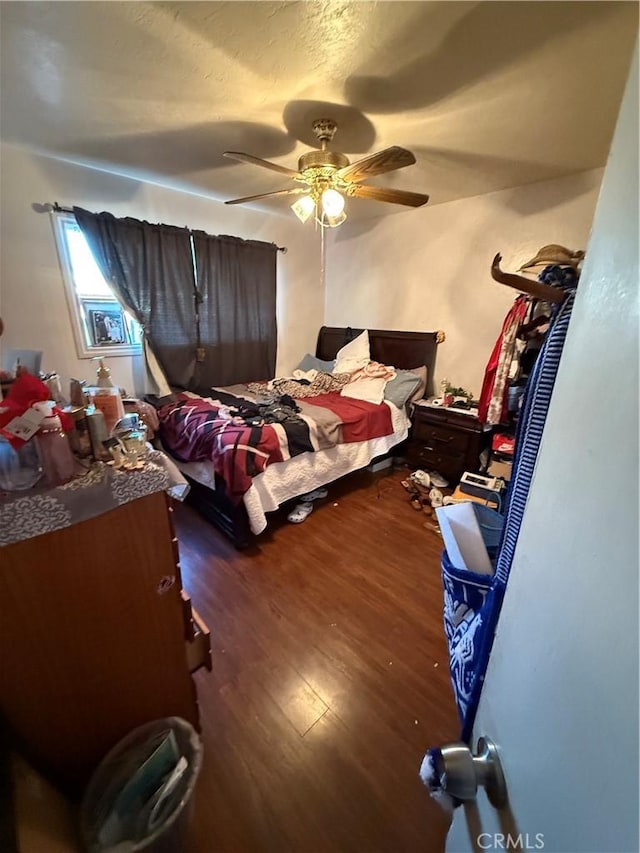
point(445, 441)
point(97, 636)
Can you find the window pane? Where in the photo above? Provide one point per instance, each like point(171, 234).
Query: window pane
point(87, 278)
point(135, 329)
point(100, 324)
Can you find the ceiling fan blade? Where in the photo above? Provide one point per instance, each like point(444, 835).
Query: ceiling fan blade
point(390, 195)
point(376, 164)
point(292, 191)
point(257, 161)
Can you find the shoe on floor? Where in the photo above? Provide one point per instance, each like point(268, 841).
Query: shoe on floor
point(421, 478)
point(315, 495)
point(300, 512)
point(436, 497)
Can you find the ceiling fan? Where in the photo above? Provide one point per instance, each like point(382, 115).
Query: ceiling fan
point(327, 177)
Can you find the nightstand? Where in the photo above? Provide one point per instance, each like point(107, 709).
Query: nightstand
point(445, 441)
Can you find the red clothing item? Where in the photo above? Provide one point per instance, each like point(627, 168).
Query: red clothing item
point(24, 392)
point(361, 421)
point(495, 387)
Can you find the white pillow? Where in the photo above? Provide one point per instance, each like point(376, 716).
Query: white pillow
point(367, 389)
point(353, 355)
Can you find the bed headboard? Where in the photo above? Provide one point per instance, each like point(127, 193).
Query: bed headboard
point(400, 349)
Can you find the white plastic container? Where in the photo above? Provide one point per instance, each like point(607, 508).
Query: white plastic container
point(19, 469)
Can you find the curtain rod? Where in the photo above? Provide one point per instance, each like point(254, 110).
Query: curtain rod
point(55, 207)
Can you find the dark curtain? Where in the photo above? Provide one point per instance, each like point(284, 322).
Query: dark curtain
point(236, 281)
point(150, 268)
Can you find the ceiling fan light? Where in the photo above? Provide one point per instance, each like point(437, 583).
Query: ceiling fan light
point(332, 203)
point(304, 207)
point(332, 221)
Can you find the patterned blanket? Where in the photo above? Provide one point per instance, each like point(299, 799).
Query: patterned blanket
point(195, 429)
point(322, 383)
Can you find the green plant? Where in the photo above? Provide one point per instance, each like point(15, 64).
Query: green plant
point(458, 392)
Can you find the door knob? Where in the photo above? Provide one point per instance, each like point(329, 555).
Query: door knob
point(453, 770)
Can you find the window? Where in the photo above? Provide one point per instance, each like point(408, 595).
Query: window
point(100, 325)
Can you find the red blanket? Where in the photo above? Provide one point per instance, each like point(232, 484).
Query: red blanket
point(361, 421)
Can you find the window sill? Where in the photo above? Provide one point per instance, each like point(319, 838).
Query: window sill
point(110, 352)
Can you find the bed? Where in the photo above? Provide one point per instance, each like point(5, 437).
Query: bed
point(256, 469)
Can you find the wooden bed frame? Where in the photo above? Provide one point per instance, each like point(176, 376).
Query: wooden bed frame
point(404, 350)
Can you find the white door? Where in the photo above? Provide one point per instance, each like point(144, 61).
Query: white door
point(561, 695)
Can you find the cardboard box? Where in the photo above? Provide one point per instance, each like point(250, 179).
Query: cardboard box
point(500, 469)
point(459, 495)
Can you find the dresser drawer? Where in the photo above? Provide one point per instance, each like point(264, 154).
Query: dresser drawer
point(198, 648)
point(445, 441)
point(443, 438)
point(450, 465)
point(197, 636)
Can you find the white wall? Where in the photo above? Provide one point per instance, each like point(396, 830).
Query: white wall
point(428, 268)
point(32, 299)
point(419, 269)
point(561, 693)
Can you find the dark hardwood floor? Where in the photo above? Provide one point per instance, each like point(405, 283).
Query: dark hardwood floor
point(329, 680)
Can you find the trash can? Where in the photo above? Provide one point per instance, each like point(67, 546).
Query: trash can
point(140, 796)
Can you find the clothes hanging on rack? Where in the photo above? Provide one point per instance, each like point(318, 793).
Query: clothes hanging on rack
point(493, 404)
point(493, 407)
point(531, 336)
point(479, 597)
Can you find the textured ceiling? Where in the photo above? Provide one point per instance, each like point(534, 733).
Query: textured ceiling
point(487, 95)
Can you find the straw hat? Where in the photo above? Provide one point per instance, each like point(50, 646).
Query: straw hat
point(554, 254)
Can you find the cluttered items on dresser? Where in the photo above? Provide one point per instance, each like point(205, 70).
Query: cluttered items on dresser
point(48, 441)
point(34, 431)
point(45, 487)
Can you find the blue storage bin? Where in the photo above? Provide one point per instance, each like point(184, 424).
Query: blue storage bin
point(465, 599)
